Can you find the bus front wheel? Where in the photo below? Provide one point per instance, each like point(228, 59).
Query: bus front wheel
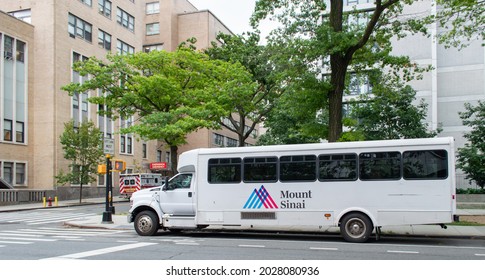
point(356, 227)
point(146, 223)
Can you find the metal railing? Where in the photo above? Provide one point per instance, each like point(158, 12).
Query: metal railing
point(19, 196)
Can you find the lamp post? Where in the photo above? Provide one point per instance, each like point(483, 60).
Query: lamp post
point(107, 218)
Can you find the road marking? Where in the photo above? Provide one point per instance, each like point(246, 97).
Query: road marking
point(28, 239)
point(183, 243)
point(402, 252)
point(102, 251)
point(16, 242)
point(251, 246)
point(324, 249)
point(480, 255)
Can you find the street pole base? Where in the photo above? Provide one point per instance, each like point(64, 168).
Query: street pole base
point(107, 218)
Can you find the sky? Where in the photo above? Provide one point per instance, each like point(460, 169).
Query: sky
point(234, 14)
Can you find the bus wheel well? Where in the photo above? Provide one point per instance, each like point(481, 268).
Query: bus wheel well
point(141, 209)
point(352, 212)
point(355, 226)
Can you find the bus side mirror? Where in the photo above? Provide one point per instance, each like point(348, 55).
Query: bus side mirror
point(165, 184)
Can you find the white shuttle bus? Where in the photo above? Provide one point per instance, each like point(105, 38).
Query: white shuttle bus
point(356, 186)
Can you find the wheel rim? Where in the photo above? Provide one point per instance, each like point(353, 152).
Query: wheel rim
point(145, 224)
point(355, 228)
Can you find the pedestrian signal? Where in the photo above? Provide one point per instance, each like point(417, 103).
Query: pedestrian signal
point(119, 165)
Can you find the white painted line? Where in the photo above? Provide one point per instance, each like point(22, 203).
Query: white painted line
point(252, 246)
point(126, 241)
point(16, 242)
point(403, 252)
point(184, 243)
point(101, 251)
point(28, 239)
point(324, 249)
point(480, 255)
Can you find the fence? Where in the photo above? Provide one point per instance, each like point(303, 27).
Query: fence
point(20, 196)
point(16, 196)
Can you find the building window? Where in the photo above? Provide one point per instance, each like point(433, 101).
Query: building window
point(144, 150)
point(24, 15)
point(8, 172)
point(19, 132)
point(159, 156)
point(126, 140)
point(125, 19)
point(20, 55)
point(153, 8)
point(124, 48)
point(104, 8)
point(20, 173)
point(149, 48)
point(231, 142)
point(80, 28)
point(218, 139)
point(87, 2)
point(79, 99)
point(153, 28)
point(8, 48)
point(7, 130)
point(104, 40)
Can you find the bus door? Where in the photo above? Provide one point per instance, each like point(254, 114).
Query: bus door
point(178, 198)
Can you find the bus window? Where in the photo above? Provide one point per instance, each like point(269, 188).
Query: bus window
point(298, 168)
point(425, 164)
point(260, 169)
point(380, 166)
point(342, 167)
point(224, 170)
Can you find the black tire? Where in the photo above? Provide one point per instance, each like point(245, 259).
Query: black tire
point(356, 227)
point(146, 223)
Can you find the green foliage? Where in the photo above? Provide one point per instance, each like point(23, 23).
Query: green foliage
point(171, 93)
point(266, 73)
point(83, 148)
point(388, 113)
point(462, 20)
point(471, 158)
point(470, 191)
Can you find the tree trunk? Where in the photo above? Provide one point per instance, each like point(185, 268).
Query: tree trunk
point(174, 159)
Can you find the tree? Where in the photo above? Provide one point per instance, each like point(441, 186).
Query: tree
point(388, 113)
point(171, 93)
point(333, 42)
point(257, 59)
point(462, 20)
point(471, 158)
point(83, 148)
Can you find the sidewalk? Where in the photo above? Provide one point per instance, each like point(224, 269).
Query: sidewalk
point(119, 222)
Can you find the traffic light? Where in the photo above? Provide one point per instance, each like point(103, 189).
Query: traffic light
point(119, 165)
point(102, 168)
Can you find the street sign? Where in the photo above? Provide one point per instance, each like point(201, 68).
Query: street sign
point(158, 165)
point(109, 146)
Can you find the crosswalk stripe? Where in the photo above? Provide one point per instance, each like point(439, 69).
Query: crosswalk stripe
point(43, 218)
point(15, 242)
point(102, 251)
point(29, 239)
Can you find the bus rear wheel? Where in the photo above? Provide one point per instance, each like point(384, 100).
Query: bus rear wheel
point(146, 223)
point(356, 227)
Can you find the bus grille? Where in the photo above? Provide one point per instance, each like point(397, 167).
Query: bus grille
point(258, 216)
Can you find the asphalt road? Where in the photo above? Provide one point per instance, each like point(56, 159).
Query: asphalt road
point(40, 234)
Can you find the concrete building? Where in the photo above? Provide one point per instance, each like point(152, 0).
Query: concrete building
point(52, 35)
